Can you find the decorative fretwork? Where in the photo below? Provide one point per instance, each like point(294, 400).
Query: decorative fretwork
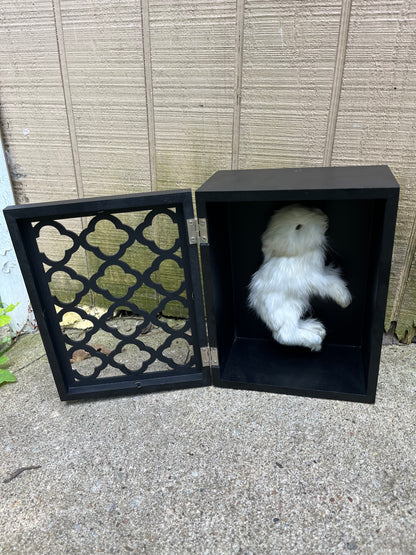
point(89, 362)
point(105, 276)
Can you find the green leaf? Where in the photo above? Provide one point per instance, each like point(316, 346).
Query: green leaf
point(4, 320)
point(3, 359)
point(5, 340)
point(6, 376)
point(10, 307)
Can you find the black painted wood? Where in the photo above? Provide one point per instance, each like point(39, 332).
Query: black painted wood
point(337, 372)
point(97, 205)
point(355, 179)
point(25, 224)
point(361, 203)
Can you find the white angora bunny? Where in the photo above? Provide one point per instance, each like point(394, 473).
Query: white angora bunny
point(292, 272)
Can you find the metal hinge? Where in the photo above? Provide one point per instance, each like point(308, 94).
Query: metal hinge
point(209, 356)
point(197, 231)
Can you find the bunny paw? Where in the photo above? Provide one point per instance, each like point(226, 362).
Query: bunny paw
point(344, 298)
point(313, 326)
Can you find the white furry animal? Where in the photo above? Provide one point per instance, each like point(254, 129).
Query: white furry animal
point(292, 272)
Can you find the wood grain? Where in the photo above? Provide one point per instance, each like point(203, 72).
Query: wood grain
point(337, 81)
point(376, 122)
point(238, 83)
point(193, 55)
point(105, 66)
point(288, 65)
point(405, 317)
point(33, 115)
point(66, 87)
point(148, 80)
point(115, 97)
point(33, 108)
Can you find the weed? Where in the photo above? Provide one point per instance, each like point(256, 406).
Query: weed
point(5, 344)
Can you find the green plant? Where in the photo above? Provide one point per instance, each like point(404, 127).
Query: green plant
point(5, 344)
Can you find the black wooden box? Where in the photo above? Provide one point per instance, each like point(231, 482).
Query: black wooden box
point(361, 203)
point(233, 209)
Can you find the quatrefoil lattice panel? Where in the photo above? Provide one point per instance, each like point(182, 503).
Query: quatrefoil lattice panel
point(116, 294)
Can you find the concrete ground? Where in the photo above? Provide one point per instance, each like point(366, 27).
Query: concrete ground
point(207, 470)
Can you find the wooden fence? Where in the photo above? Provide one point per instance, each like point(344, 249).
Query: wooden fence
point(104, 96)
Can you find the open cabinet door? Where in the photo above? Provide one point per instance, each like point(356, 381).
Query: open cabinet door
point(102, 275)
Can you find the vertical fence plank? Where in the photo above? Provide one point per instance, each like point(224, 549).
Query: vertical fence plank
point(104, 56)
point(233, 83)
point(337, 81)
point(376, 122)
point(33, 114)
point(148, 79)
point(289, 56)
point(193, 44)
point(66, 87)
point(238, 83)
point(404, 315)
point(34, 108)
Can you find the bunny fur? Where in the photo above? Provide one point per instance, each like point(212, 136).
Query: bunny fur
point(293, 271)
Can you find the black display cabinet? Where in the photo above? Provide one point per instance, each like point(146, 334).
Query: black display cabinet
point(361, 203)
point(233, 209)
